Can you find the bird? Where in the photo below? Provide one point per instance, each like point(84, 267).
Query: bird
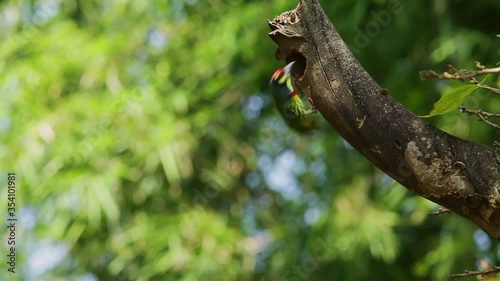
point(289, 99)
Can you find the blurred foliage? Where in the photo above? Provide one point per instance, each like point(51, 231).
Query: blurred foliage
point(147, 148)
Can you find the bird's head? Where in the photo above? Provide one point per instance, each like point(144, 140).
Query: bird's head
point(283, 76)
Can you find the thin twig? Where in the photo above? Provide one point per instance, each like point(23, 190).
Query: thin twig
point(487, 115)
point(440, 211)
point(480, 273)
point(483, 116)
point(479, 66)
point(461, 74)
point(491, 89)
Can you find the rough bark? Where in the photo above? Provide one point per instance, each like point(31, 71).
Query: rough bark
point(457, 174)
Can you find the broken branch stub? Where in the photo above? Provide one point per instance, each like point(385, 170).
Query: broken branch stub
point(460, 175)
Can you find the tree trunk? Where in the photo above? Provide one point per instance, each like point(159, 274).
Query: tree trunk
point(460, 175)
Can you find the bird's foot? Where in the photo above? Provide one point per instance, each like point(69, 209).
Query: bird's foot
point(309, 98)
point(311, 112)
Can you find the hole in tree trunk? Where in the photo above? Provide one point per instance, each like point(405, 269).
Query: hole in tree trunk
point(300, 63)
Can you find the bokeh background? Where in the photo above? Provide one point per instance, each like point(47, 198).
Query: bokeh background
point(146, 145)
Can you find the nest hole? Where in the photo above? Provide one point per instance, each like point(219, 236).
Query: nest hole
point(300, 63)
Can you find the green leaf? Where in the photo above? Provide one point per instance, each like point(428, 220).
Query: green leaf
point(451, 100)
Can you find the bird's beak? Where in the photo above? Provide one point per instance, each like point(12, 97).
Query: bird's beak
point(288, 69)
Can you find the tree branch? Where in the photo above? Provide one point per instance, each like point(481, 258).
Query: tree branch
point(483, 116)
point(480, 273)
point(461, 74)
point(457, 174)
point(481, 85)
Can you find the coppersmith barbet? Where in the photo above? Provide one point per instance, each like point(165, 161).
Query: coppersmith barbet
point(291, 101)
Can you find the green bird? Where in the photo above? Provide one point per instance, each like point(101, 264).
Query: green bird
point(290, 101)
